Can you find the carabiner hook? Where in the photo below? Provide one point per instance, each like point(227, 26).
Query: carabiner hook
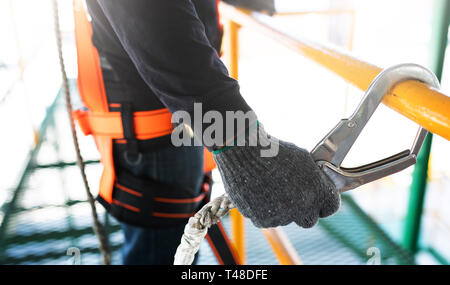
point(332, 149)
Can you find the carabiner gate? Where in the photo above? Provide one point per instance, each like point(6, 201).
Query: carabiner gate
point(332, 149)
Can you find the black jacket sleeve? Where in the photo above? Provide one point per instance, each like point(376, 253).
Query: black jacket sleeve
point(166, 41)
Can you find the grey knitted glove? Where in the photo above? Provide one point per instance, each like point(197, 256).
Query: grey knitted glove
point(276, 190)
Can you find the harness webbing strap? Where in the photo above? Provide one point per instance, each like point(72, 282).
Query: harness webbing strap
point(132, 145)
point(221, 245)
point(157, 197)
point(90, 77)
point(147, 124)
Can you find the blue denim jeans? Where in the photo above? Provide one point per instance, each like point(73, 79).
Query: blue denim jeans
point(181, 166)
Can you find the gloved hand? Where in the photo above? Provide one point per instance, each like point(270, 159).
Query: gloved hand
point(276, 190)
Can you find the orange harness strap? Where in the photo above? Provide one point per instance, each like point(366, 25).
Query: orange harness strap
point(92, 92)
point(147, 124)
point(90, 78)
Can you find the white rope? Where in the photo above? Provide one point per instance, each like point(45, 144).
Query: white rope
point(197, 227)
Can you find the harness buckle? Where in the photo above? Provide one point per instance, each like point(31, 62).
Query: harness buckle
point(332, 149)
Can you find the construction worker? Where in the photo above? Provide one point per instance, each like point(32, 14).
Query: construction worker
point(157, 54)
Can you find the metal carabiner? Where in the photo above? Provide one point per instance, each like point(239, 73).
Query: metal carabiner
point(332, 149)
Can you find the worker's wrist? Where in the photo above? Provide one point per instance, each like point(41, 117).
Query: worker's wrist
point(216, 129)
point(255, 141)
point(242, 138)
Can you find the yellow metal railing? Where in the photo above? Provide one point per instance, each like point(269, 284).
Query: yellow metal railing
point(417, 101)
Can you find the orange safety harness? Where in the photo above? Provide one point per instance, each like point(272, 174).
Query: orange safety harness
point(106, 126)
point(125, 195)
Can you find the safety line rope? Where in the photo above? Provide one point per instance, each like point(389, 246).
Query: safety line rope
point(98, 227)
point(197, 228)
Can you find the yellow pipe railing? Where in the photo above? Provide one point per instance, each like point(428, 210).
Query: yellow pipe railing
point(237, 221)
point(419, 102)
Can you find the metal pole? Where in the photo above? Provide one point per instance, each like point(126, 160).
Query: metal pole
point(238, 223)
point(411, 233)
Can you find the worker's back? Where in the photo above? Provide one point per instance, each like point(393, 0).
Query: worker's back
point(120, 73)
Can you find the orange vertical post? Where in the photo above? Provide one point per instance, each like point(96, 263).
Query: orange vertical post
point(232, 57)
